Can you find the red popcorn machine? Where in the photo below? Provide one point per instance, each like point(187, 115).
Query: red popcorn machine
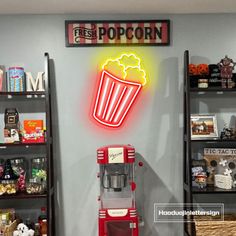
point(117, 211)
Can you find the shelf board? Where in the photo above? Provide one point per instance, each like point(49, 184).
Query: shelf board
point(5, 145)
point(213, 89)
point(213, 140)
point(210, 190)
point(22, 93)
point(22, 196)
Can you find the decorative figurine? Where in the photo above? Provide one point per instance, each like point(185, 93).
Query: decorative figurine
point(227, 133)
point(192, 68)
point(226, 66)
point(200, 179)
point(223, 162)
point(227, 172)
point(23, 230)
point(202, 69)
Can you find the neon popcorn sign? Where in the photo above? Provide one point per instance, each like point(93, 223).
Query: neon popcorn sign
point(120, 83)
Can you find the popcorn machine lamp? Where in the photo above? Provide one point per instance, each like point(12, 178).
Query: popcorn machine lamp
point(117, 211)
point(121, 81)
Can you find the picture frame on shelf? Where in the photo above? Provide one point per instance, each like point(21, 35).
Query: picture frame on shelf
point(204, 126)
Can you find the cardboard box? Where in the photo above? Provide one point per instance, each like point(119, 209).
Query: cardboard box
point(33, 131)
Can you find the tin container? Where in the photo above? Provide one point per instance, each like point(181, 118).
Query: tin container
point(16, 79)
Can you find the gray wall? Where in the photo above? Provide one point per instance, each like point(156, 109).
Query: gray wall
point(154, 128)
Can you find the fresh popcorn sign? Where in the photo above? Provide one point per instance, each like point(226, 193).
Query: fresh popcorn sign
point(83, 33)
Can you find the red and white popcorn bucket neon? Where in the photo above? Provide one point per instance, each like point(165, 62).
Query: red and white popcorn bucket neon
point(114, 99)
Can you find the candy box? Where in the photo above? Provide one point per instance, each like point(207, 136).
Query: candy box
point(33, 131)
point(11, 128)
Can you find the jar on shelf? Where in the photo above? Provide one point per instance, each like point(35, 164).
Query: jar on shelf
point(39, 169)
point(8, 183)
point(8, 187)
point(35, 186)
point(19, 168)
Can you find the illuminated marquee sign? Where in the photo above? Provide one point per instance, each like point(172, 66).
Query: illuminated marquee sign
point(91, 33)
point(121, 82)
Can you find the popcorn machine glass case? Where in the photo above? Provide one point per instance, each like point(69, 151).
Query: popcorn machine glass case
point(117, 212)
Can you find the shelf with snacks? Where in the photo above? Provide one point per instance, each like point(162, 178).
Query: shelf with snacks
point(209, 132)
point(26, 157)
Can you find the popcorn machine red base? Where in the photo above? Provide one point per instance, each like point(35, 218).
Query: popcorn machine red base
point(117, 211)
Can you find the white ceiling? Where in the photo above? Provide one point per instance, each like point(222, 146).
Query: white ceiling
point(116, 7)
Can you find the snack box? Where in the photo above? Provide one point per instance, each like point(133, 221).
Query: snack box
point(33, 131)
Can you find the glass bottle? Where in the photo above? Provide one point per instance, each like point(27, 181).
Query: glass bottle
point(42, 220)
point(36, 229)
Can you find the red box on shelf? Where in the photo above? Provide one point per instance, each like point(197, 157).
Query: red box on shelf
point(33, 132)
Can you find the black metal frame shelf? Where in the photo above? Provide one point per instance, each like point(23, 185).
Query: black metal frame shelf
point(213, 140)
point(217, 90)
point(189, 144)
point(2, 145)
point(48, 145)
point(23, 93)
point(22, 196)
point(212, 190)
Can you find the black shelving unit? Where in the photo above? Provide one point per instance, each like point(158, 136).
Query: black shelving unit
point(45, 149)
point(189, 190)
